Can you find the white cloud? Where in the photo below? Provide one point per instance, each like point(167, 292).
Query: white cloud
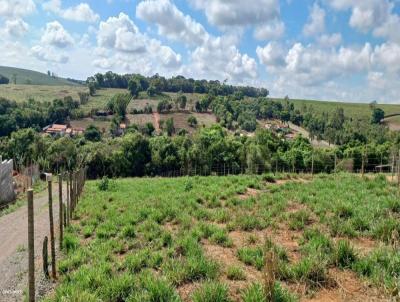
point(56, 35)
point(218, 59)
point(16, 8)
point(16, 27)
point(120, 43)
point(377, 16)
point(263, 14)
point(79, 13)
point(212, 57)
point(48, 54)
point(330, 40)
point(316, 22)
point(236, 12)
point(387, 57)
point(272, 55)
point(171, 22)
point(270, 31)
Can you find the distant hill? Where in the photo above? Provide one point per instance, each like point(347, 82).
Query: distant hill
point(25, 76)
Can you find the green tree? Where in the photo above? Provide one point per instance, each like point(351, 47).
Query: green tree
point(133, 88)
point(4, 80)
point(377, 115)
point(92, 133)
point(169, 126)
point(92, 88)
point(192, 121)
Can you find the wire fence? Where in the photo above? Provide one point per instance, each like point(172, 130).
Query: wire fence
point(334, 165)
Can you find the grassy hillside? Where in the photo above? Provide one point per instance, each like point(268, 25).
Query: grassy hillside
point(25, 76)
point(351, 110)
point(41, 93)
point(208, 239)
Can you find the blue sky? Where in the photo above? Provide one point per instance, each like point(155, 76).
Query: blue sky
point(346, 50)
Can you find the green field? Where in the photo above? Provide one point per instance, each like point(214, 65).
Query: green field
point(24, 76)
point(351, 110)
point(46, 93)
point(208, 239)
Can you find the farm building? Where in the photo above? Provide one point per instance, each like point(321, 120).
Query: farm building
point(61, 130)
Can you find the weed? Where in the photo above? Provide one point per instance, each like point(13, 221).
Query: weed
point(211, 292)
point(235, 273)
point(251, 256)
point(344, 255)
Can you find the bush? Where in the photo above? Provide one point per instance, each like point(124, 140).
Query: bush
point(104, 183)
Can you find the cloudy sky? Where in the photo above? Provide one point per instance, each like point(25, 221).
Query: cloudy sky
point(346, 50)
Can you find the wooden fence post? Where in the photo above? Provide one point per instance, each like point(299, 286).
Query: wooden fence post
point(71, 196)
point(45, 257)
point(52, 243)
point(31, 249)
point(68, 205)
point(61, 209)
point(312, 164)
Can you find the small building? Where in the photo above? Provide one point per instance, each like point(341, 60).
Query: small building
point(55, 129)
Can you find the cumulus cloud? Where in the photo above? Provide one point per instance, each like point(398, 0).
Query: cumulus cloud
point(122, 37)
point(270, 31)
point(377, 16)
point(79, 13)
point(171, 22)
point(264, 15)
point(236, 12)
point(272, 55)
point(219, 59)
point(16, 27)
point(212, 57)
point(56, 35)
point(316, 22)
point(48, 54)
point(16, 8)
point(332, 40)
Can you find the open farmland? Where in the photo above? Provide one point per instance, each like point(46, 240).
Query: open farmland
point(47, 93)
point(351, 110)
point(209, 238)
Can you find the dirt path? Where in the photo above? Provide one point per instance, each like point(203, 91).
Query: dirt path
point(13, 246)
point(314, 142)
point(156, 117)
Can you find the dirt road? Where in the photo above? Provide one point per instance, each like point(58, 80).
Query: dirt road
point(13, 247)
point(156, 117)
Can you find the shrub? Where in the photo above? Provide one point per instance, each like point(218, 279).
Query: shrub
point(104, 183)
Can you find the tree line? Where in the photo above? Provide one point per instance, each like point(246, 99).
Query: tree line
point(157, 84)
point(138, 153)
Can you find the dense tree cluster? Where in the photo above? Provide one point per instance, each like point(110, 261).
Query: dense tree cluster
point(157, 84)
point(4, 80)
point(209, 150)
point(32, 114)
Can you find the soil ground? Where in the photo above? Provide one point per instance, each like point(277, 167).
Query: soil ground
point(14, 252)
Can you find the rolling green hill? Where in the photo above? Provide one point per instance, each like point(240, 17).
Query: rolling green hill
point(25, 76)
point(351, 110)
